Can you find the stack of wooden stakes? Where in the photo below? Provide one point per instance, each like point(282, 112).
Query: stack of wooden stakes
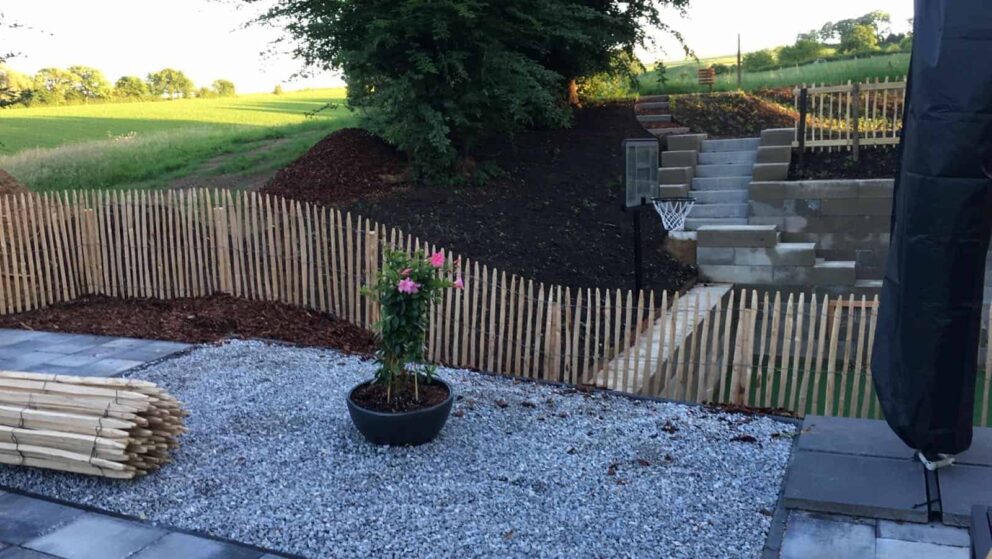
point(110, 427)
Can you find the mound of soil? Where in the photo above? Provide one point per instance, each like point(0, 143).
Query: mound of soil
point(9, 185)
point(348, 165)
point(195, 320)
point(730, 115)
point(554, 214)
point(879, 162)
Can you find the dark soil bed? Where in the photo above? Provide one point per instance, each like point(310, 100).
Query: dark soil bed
point(554, 214)
point(873, 163)
point(373, 397)
point(730, 115)
point(195, 320)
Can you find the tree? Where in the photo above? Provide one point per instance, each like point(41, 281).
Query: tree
point(758, 60)
point(277, 90)
point(803, 51)
point(434, 78)
point(89, 83)
point(170, 83)
point(205, 93)
point(841, 31)
point(131, 87)
point(861, 38)
point(14, 87)
point(223, 88)
point(54, 86)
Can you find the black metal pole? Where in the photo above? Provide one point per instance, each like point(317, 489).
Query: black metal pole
point(803, 97)
point(638, 263)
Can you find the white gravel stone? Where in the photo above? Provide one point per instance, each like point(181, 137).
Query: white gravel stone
point(272, 459)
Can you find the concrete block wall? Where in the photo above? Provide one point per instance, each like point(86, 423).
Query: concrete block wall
point(847, 219)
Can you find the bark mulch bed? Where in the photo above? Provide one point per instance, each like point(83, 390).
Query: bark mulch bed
point(195, 320)
point(730, 115)
point(873, 163)
point(553, 214)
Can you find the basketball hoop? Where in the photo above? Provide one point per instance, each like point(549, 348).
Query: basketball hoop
point(673, 211)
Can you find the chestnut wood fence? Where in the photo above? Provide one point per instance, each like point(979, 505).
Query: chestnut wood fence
point(849, 116)
point(792, 351)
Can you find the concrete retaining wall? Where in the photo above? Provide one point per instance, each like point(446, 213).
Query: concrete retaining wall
point(847, 219)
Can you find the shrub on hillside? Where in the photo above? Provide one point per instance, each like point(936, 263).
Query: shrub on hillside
point(803, 51)
point(758, 60)
point(730, 115)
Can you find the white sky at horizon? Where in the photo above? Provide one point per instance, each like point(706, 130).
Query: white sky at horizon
point(206, 38)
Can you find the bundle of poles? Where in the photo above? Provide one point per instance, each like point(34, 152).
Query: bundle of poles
point(110, 427)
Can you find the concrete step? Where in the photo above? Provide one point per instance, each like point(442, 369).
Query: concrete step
point(673, 190)
point(694, 223)
point(675, 175)
point(758, 236)
point(652, 98)
point(720, 196)
point(736, 144)
point(782, 254)
point(725, 157)
point(834, 272)
point(673, 158)
point(868, 284)
point(719, 210)
point(654, 345)
point(654, 118)
point(726, 170)
point(685, 141)
point(653, 105)
point(667, 132)
point(721, 183)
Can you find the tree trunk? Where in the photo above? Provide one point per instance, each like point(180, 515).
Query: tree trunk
point(573, 93)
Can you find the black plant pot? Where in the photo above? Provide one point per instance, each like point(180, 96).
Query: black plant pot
point(401, 428)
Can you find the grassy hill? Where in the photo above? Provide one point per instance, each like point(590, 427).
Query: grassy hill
point(682, 75)
point(148, 144)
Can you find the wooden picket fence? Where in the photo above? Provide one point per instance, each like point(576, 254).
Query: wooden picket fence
point(849, 116)
point(794, 351)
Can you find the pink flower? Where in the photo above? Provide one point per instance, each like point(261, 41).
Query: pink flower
point(407, 285)
point(406, 272)
point(437, 259)
point(459, 284)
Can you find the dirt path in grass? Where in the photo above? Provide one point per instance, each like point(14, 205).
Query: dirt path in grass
point(206, 174)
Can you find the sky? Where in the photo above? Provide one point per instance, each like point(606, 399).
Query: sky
point(207, 40)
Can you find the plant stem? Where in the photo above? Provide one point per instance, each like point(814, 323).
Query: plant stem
point(416, 388)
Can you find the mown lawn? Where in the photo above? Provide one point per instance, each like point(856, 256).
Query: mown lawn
point(682, 76)
point(127, 145)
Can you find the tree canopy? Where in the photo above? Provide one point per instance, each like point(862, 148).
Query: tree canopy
point(223, 88)
point(130, 87)
point(433, 78)
point(170, 83)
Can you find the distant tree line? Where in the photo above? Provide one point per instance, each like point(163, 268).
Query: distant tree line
point(848, 38)
point(82, 84)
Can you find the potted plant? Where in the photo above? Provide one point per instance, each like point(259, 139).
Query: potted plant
point(405, 404)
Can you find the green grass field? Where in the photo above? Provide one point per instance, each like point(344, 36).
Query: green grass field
point(682, 75)
point(149, 144)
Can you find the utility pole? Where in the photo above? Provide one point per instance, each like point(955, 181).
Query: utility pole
point(738, 62)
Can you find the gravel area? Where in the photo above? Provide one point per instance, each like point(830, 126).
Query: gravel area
point(520, 470)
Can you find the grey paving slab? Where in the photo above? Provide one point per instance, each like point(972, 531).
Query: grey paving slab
point(23, 518)
point(10, 337)
point(177, 545)
point(74, 360)
point(21, 553)
point(811, 537)
point(864, 437)
point(856, 485)
point(924, 533)
point(17, 358)
point(93, 536)
point(898, 549)
point(962, 487)
point(109, 366)
point(980, 453)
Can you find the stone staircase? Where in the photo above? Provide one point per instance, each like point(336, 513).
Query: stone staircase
point(717, 173)
point(654, 114)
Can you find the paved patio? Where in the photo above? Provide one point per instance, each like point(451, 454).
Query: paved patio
point(32, 528)
point(854, 490)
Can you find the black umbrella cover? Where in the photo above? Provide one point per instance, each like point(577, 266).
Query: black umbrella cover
point(925, 357)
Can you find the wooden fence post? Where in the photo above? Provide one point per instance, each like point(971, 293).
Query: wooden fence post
point(371, 273)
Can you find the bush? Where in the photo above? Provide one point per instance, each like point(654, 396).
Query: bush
point(130, 87)
point(223, 88)
point(722, 69)
point(803, 51)
point(277, 90)
point(758, 60)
